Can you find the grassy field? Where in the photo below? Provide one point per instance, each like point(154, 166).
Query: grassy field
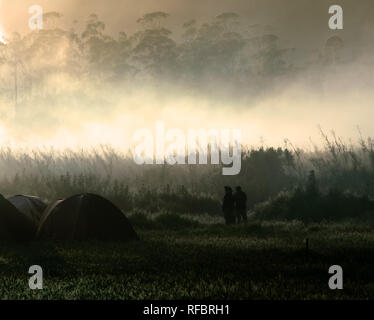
point(179, 258)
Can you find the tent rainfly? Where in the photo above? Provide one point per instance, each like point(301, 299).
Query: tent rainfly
point(32, 207)
point(14, 225)
point(85, 217)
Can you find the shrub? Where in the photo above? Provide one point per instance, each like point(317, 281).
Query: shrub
point(141, 220)
point(301, 205)
point(173, 221)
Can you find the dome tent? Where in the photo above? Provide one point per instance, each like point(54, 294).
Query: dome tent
point(32, 207)
point(85, 217)
point(14, 225)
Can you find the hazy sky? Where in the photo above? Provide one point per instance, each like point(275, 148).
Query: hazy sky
point(293, 112)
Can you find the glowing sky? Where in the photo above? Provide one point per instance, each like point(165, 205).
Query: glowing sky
point(341, 103)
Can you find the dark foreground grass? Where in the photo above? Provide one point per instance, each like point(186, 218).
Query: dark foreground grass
point(257, 261)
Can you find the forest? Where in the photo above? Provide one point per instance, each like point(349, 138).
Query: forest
point(199, 57)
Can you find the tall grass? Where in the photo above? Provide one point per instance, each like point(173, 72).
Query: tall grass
point(49, 173)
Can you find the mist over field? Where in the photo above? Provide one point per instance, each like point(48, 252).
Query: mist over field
point(100, 78)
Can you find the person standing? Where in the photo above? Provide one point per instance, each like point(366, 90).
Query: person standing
point(240, 199)
point(228, 206)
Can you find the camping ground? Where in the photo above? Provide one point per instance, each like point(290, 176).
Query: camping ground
point(181, 257)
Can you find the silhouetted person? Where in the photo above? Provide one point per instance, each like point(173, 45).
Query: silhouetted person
point(240, 199)
point(228, 206)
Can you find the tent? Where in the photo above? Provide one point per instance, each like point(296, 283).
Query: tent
point(32, 207)
point(83, 217)
point(14, 225)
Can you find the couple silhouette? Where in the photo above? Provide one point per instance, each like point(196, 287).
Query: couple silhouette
point(234, 205)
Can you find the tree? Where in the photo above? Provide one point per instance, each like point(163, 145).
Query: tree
point(153, 51)
point(333, 50)
point(153, 20)
point(311, 187)
point(211, 48)
point(99, 49)
point(50, 19)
